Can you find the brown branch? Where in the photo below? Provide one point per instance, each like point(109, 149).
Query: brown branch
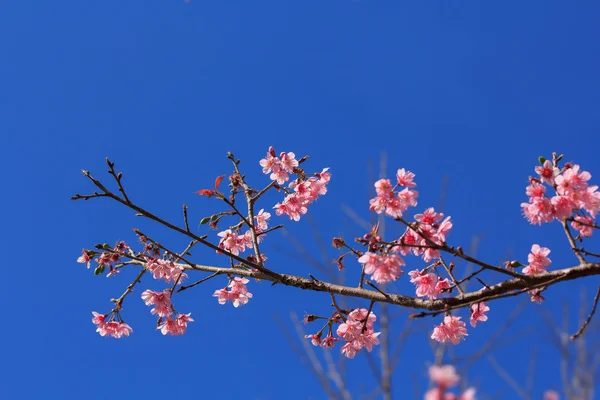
point(589, 318)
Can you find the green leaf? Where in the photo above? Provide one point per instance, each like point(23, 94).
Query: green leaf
point(99, 270)
point(205, 220)
point(542, 160)
point(214, 217)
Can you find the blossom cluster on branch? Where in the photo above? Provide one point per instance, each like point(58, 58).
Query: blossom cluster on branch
point(437, 289)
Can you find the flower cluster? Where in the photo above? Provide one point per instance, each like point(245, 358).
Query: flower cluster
point(421, 238)
point(382, 268)
point(165, 270)
point(452, 329)
point(538, 260)
point(358, 332)
point(390, 202)
point(238, 292)
point(572, 193)
point(304, 193)
point(175, 326)
point(110, 328)
point(279, 167)
point(160, 300)
point(428, 284)
point(444, 377)
point(478, 313)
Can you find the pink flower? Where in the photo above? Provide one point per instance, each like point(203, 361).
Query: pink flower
point(538, 260)
point(112, 328)
point(428, 284)
point(161, 300)
point(589, 200)
point(84, 258)
point(288, 161)
point(270, 162)
point(478, 313)
point(429, 217)
point(238, 293)
point(232, 242)
point(583, 224)
point(329, 341)
point(175, 326)
point(358, 332)
point(468, 394)
point(166, 270)
point(563, 207)
point(261, 220)
point(444, 376)
point(314, 339)
point(405, 178)
point(539, 210)
point(452, 329)
point(536, 296)
point(386, 200)
point(551, 395)
point(572, 180)
point(547, 172)
point(535, 190)
point(382, 269)
point(222, 295)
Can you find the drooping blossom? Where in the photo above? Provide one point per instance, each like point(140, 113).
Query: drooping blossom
point(358, 332)
point(84, 258)
point(160, 300)
point(538, 260)
point(584, 225)
point(110, 328)
point(175, 326)
point(536, 296)
point(164, 269)
point(452, 329)
point(563, 207)
point(382, 268)
point(261, 220)
point(314, 339)
point(428, 284)
point(478, 313)
point(238, 292)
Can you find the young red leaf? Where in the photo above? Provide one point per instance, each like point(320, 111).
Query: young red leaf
point(206, 192)
point(218, 181)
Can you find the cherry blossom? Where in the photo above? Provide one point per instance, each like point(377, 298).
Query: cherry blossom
point(261, 220)
point(583, 224)
point(444, 375)
point(538, 260)
point(238, 293)
point(85, 258)
point(478, 313)
point(110, 328)
point(428, 284)
point(232, 242)
point(161, 301)
point(551, 395)
point(405, 178)
point(164, 269)
point(547, 172)
point(382, 268)
point(175, 326)
point(452, 329)
point(358, 332)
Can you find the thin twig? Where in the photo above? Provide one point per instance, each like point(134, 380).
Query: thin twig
point(589, 318)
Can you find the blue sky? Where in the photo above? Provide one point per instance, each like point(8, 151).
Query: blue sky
point(474, 91)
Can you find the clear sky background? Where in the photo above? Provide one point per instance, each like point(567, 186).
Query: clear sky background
point(474, 91)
